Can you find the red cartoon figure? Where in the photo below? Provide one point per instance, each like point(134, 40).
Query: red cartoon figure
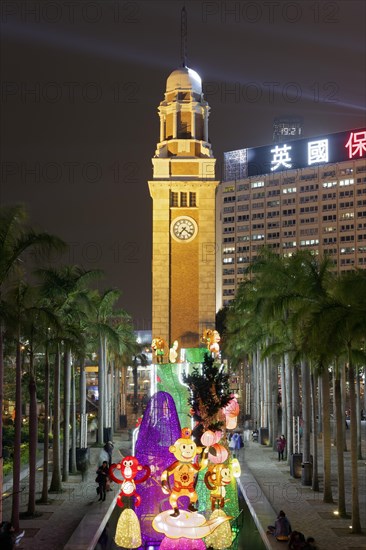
point(128, 468)
point(184, 471)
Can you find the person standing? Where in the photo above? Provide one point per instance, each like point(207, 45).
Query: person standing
point(281, 445)
point(101, 479)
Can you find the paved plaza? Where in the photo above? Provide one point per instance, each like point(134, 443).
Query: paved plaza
point(74, 518)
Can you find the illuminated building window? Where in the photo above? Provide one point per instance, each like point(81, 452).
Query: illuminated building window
point(183, 199)
point(309, 242)
point(173, 199)
point(192, 199)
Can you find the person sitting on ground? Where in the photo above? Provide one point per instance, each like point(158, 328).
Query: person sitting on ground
point(282, 527)
point(310, 544)
point(296, 541)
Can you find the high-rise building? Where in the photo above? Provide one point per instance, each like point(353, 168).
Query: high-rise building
point(307, 194)
point(183, 193)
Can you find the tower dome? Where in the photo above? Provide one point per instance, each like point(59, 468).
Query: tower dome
point(184, 79)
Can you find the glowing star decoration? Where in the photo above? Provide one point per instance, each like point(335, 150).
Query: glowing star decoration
point(222, 537)
point(189, 525)
point(125, 473)
point(281, 157)
point(184, 471)
point(184, 544)
point(356, 144)
point(128, 532)
point(216, 478)
point(317, 151)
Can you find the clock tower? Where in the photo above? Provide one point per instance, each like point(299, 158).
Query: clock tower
point(183, 192)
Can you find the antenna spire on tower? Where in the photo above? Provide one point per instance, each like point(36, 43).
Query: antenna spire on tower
point(183, 36)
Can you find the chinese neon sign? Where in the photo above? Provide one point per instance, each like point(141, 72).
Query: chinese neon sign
point(303, 153)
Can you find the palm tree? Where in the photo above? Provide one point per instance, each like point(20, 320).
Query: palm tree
point(16, 239)
point(66, 288)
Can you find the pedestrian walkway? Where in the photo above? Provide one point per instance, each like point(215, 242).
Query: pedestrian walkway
point(59, 519)
point(266, 482)
point(307, 512)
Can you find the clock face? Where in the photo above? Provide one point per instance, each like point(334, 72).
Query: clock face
point(183, 229)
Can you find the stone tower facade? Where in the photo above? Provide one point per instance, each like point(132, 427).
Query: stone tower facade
point(183, 192)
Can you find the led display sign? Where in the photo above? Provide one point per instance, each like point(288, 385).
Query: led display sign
point(302, 153)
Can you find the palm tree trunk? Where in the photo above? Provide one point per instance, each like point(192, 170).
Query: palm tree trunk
point(315, 480)
point(289, 407)
point(283, 400)
point(33, 440)
point(101, 392)
point(73, 421)
point(320, 407)
point(17, 438)
point(66, 430)
point(339, 448)
point(343, 392)
point(44, 497)
point(274, 405)
point(356, 523)
point(56, 485)
point(305, 391)
point(358, 415)
point(83, 418)
point(327, 495)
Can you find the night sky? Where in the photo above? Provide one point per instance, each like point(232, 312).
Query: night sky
point(81, 82)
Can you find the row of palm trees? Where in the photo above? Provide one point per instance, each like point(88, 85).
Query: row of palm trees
point(299, 322)
point(52, 319)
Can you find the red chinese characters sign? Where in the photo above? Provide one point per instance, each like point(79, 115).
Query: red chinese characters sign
point(356, 144)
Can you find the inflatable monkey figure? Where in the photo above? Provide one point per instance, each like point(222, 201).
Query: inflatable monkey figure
point(158, 346)
point(184, 471)
point(129, 467)
point(217, 476)
point(211, 338)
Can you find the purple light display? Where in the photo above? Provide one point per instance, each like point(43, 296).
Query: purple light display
point(160, 428)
